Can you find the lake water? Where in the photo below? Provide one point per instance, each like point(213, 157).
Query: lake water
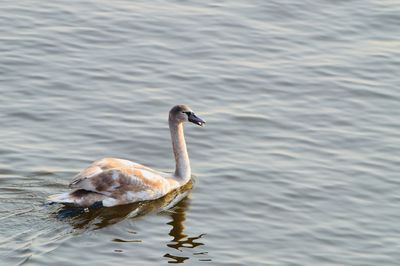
point(299, 161)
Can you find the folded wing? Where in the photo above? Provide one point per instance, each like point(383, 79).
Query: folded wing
point(121, 179)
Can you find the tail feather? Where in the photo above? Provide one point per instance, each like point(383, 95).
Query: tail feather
point(61, 198)
point(79, 197)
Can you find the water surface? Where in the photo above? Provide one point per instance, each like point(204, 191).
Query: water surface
point(298, 163)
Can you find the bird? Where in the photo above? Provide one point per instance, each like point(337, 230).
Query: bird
point(112, 181)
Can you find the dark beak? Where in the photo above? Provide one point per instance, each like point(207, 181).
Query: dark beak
point(196, 120)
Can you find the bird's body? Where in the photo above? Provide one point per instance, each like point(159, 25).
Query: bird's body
point(113, 181)
point(123, 181)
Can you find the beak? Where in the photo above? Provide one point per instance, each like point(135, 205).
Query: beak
point(196, 120)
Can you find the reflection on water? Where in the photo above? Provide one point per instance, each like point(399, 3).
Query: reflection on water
point(179, 238)
point(97, 218)
point(174, 205)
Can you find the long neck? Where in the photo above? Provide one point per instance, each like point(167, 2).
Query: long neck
point(182, 169)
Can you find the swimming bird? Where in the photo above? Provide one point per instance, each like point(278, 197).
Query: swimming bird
point(112, 181)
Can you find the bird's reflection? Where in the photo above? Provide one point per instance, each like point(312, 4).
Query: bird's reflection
point(179, 238)
point(97, 218)
point(174, 205)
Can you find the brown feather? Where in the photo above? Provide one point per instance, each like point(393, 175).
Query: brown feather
point(114, 177)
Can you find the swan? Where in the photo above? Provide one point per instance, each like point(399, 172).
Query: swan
point(112, 181)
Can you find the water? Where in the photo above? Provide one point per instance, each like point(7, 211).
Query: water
point(298, 163)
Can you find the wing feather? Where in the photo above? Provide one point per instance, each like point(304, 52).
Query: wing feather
point(119, 178)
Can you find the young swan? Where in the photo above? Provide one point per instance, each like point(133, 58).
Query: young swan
point(112, 181)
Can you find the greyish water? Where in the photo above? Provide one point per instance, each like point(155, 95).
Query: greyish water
point(299, 162)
